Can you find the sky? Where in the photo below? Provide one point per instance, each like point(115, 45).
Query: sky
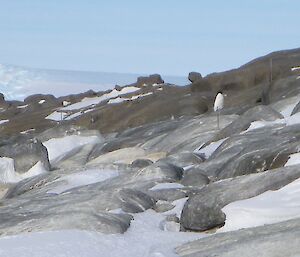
point(170, 37)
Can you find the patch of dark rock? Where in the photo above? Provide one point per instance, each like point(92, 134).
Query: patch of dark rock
point(141, 163)
point(26, 155)
point(194, 76)
point(133, 201)
point(194, 177)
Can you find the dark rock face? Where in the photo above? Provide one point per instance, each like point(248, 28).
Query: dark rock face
point(2, 100)
point(194, 177)
point(194, 76)
point(26, 155)
point(141, 163)
point(296, 109)
point(134, 201)
point(280, 239)
point(203, 211)
point(152, 79)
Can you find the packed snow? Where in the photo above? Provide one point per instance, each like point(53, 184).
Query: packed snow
point(207, 151)
point(295, 68)
point(82, 178)
point(88, 101)
point(145, 237)
point(267, 208)
point(9, 175)
point(167, 186)
point(3, 121)
point(293, 159)
point(58, 148)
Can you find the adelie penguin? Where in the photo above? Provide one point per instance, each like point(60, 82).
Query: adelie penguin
point(218, 106)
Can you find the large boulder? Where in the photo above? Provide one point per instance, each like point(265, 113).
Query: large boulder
point(203, 210)
point(26, 155)
point(134, 201)
point(194, 76)
point(194, 177)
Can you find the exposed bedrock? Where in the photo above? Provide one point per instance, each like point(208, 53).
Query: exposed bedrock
point(203, 210)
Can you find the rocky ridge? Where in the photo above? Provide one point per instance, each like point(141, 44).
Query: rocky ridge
point(92, 161)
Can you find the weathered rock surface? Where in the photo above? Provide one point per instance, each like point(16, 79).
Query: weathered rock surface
point(203, 211)
point(194, 177)
point(280, 239)
point(26, 155)
point(134, 201)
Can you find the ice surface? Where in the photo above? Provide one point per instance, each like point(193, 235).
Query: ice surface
point(267, 208)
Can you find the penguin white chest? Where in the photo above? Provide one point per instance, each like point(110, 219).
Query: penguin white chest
point(219, 102)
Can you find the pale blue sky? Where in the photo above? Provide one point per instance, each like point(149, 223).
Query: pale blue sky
point(163, 36)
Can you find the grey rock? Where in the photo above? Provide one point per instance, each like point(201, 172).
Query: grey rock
point(194, 76)
point(261, 112)
point(203, 210)
point(255, 151)
point(280, 239)
point(170, 194)
point(194, 177)
point(154, 78)
point(134, 201)
point(141, 163)
point(296, 109)
point(163, 206)
point(26, 155)
point(161, 170)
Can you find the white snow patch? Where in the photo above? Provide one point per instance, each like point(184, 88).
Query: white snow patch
point(295, 68)
point(167, 186)
point(65, 103)
point(88, 101)
point(83, 178)
point(210, 149)
point(267, 208)
point(117, 100)
point(58, 148)
point(178, 207)
point(22, 106)
point(42, 101)
point(3, 121)
point(9, 175)
point(260, 124)
point(298, 77)
point(293, 160)
point(57, 116)
point(140, 96)
point(143, 238)
point(27, 131)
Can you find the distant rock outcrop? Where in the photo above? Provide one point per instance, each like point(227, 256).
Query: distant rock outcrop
point(150, 80)
point(194, 76)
